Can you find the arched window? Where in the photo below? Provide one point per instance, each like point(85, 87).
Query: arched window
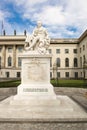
point(0, 62)
point(51, 62)
point(80, 61)
point(58, 62)
point(67, 62)
point(9, 61)
point(19, 62)
point(75, 62)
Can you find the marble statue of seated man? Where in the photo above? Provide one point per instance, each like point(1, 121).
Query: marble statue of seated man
point(39, 40)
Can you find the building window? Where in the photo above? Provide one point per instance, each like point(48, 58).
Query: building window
point(75, 62)
point(19, 62)
point(20, 49)
point(7, 75)
point(80, 50)
point(80, 61)
point(67, 74)
point(81, 74)
point(50, 74)
point(67, 62)
point(9, 49)
point(84, 58)
point(0, 62)
point(58, 74)
point(66, 51)
point(83, 47)
point(50, 51)
point(57, 51)
point(18, 74)
point(58, 62)
point(9, 61)
point(0, 49)
point(75, 51)
point(51, 62)
point(76, 74)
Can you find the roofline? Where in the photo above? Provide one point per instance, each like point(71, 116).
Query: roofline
point(12, 38)
point(64, 40)
point(53, 40)
point(84, 34)
point(23, 37)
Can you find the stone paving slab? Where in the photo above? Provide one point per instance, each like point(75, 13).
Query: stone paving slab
point(82, 100)
point(63, 108)
point(77, 94)
point(52, 122)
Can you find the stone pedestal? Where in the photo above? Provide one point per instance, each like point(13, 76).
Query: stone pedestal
point(36, 100)
point(35, 80)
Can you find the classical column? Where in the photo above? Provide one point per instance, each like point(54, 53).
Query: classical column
point(14, 56)
point(3, 56)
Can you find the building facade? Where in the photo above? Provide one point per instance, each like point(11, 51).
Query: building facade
point(68, 56)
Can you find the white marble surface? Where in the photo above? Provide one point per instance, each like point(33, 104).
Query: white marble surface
point(39, 40)
point(61, 108)
point(35, 70)
point(35, 78)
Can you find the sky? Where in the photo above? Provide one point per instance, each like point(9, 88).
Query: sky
point(61, 18)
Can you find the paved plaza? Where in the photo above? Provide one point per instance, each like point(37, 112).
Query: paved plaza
point(79, 95)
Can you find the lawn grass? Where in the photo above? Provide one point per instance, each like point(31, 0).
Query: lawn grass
point(55, 83)
point(6, 84)
point(69, 83)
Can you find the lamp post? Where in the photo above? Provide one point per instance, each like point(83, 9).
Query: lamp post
point(0, 69)
point(55, 73)
point(84, 71)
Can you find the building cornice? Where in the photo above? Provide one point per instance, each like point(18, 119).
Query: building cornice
point(53, 40)
point(82, 36)
point(22, 38)
point(64, 41)
point(12, 38)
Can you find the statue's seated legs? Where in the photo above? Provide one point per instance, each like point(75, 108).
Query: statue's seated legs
point(34, 42)
point(37, 43)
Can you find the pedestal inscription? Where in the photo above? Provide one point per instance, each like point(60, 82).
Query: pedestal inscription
point(35, 77)
point(35, 90)
point(35, 71)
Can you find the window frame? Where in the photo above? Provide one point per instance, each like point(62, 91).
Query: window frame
point(19, 62)
point(67, 75)
point(66, 51)
point(66, 62)
point(57, 51)
point(9, 61)
point(58, 62)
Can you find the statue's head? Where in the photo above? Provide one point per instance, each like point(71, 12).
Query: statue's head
point(39, 23)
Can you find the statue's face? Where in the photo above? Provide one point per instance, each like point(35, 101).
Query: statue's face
point(39, 24)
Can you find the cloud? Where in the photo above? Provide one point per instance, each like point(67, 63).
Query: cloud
point(1, 15)
point(62, 18)
point(51, 15)
point(28, 2)
point(4, 15)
